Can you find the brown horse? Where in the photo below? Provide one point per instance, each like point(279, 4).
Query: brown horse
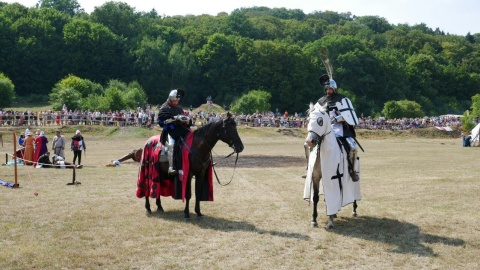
point(199, 157)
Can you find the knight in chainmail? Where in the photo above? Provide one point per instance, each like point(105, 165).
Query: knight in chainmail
point(175, 124)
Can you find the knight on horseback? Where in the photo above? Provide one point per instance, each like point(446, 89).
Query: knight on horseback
point(343, 117)
point(175, 124)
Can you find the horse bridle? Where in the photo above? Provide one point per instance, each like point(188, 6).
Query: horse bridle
point(230, 143)
point(320, 139)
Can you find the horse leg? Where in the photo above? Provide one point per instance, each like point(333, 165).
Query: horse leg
point(355, 208)
point(197, 207)
point(188, 195)
point(159, 205)
point(147, 205)
point(198, 190)
point(316, 198)
point(330, 222)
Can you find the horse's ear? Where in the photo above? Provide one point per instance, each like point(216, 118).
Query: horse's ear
point(229, 115)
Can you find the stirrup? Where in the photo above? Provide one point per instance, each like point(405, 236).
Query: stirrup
point(171, 171)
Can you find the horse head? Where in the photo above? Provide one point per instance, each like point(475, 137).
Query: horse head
point(229, 134)
point(319, 122)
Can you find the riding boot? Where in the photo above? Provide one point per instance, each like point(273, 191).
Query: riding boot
point(353, 174)
point(351, 158)
point(171, 171)
point(351, 169)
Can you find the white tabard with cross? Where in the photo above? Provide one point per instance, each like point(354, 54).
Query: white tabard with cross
point(336, 184)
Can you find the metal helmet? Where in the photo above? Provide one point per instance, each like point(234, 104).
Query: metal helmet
point(176, 94)
point(327, 82)
point(331, 84)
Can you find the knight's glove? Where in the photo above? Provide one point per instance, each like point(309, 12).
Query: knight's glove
point(169, 121)
point(182, 118)
point(337, 119)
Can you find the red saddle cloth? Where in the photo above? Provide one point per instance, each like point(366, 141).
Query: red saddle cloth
point(150, 183)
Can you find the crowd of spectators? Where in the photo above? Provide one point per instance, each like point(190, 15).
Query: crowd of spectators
point(147, 117)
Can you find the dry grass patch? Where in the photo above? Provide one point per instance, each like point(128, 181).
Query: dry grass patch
point(419, 211)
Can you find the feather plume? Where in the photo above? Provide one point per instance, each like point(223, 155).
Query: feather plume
point(326, 62)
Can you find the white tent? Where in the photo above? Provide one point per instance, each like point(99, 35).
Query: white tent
point(474, 135)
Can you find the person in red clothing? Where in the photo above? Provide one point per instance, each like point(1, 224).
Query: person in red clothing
point(40, 146)
point(285, 114)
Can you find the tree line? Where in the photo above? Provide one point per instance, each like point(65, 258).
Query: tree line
point(274, 52)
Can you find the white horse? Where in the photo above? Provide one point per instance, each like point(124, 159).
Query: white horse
point(328, 161)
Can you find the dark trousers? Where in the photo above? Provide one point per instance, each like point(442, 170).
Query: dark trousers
point(77, 153)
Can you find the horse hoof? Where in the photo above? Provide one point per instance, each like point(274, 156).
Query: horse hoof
point(160, 210)
point(314, 224)
point(354, 214)
point(148, 212)
point(334, 216)
point(329, 226)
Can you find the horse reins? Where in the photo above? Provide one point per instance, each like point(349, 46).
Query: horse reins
point(230, 144)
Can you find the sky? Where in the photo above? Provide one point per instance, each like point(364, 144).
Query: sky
point(451, 16)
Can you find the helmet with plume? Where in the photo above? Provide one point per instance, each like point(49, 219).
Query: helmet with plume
point(326, 80)
point(176, 94)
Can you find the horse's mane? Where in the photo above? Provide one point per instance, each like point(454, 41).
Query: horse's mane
point(203, 130)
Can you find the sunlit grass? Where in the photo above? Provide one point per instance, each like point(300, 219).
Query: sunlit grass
point(419, 211)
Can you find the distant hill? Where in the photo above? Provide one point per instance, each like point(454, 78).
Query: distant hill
point(209, 108)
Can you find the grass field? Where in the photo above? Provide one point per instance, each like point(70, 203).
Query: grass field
point(419, 210)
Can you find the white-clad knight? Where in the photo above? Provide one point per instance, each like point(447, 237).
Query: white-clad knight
point(344, 119)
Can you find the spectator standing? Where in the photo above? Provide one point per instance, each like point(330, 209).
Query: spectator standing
point(28, 144)
point(40, 146)
point(59, 143)
point(77, 146)
point(21, 139)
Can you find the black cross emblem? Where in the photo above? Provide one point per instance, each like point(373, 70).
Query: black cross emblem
point(350, 110)
point(338, 176)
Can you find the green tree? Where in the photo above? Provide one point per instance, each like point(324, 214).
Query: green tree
point(94, 51)
point(183, 65)
point(134, 96)
point(218, 63)
point(376, 23)
point(403, 108)
point(118, 17)
point(96, 102)
point(470, 118)
point(84, 86)
point(70, 7)
point(65, 95)
point(475, 106)
point(253, 101)
point(38, 51)
point(152, 67)
point(7, 91)
point(115, 99)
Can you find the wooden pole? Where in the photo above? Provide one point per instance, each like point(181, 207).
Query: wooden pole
point(15, 158)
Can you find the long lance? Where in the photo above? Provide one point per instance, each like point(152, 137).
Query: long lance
point(359, 145)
